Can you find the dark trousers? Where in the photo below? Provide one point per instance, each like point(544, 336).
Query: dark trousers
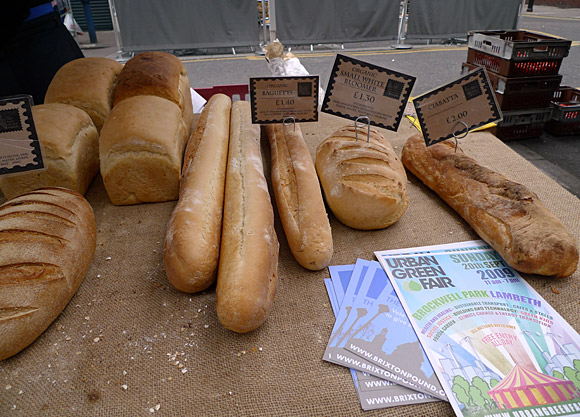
point(32, 54)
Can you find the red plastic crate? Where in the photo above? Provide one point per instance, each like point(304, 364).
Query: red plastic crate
point(518, 93)
point(522, 124)
point(234, 91)
point(511, 68)
point(565, 118)
point(519, 45)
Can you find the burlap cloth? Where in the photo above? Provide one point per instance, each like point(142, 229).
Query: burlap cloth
point(128, 344)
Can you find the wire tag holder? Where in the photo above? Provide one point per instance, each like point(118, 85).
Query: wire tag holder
point(459, 134)
point(356, 125)
point(289, 120)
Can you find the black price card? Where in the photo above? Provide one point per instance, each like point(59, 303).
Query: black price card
point(357, 88)
point(275, 99)
point(19, 146)
point(454, 109)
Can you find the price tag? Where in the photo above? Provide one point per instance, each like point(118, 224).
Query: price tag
point(274, 99)
point(357, 88)
point(19, 145)
point(456, 108)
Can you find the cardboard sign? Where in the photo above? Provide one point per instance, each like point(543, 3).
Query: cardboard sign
point(19, 146)
point(454, 109)
point(358, 89)
point(275, 99)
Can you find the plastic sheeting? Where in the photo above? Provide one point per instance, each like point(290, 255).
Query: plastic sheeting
point(336, 21)
point(454, 18)
point(186, 24)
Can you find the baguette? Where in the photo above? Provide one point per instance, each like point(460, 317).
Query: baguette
point(47, 243)
point(248, 265)
point(299, 198)
point(505, 214)
point(193, 234)
point(364, 182)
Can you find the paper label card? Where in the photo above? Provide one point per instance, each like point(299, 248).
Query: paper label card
point(357, 89)
point(276, 99)
point(19, 146)
point(455, 108)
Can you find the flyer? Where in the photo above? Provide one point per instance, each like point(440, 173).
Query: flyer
point(498, 348)
point(373, 393)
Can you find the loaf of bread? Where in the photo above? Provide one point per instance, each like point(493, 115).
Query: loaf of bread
point(70, 151)
point(505, 214)
point(299, 198)
point(86, 83)
point(192, 241)
point(364, 181)
point(248, 265)
point(141, 150)
point(159, 74)
point(47, 244)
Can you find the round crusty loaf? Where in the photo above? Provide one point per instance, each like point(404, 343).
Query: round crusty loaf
point(47, 243)
point(364, 182)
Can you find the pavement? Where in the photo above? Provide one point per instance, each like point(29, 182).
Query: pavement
point(434, 63)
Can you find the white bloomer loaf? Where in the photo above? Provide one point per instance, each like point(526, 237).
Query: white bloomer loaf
point(364, 182)
point(192, 241)
point(141, 150)
point(248, 265)
point(70, 151)
point(47, 244)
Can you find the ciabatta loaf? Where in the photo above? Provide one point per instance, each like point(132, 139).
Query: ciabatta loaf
point(141, 150)
point(364, 181)
point(248, 265)
point(299, 198)
point(194, 230)
point(86, 83)
point(159, 74)
point(47, 243)
point(70, 151)
point(505, 214)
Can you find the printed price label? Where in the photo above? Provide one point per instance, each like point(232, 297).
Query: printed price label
point(357, 88)
point(19, 145)
point(454, 109)
point(274, 99)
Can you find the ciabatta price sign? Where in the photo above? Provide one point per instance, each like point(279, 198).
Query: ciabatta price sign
point(456, 108)
point(19, 145)
point(275, 99)
point(359, 89)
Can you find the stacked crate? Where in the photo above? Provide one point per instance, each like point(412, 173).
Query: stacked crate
point(523, 70)
point(565, 118)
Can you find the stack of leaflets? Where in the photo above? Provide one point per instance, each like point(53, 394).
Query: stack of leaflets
point(452, 322)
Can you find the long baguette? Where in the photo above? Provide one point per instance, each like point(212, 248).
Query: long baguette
point(47, 244)
point(505, 214)
point(299, 198)
point(193, 233)
point(248, 266)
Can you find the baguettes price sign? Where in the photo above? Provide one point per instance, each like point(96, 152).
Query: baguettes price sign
point(20, 149)
point(455, 108)
point(274, 99)
point(357, 88)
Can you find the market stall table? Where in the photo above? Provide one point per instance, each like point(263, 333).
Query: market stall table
point(129, 344)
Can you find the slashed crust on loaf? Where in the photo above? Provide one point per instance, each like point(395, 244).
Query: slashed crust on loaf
point(299, 198)
point(364, 182)
point(248, 265)
point(507, 215)
point(47, 243)
point(194, 230)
